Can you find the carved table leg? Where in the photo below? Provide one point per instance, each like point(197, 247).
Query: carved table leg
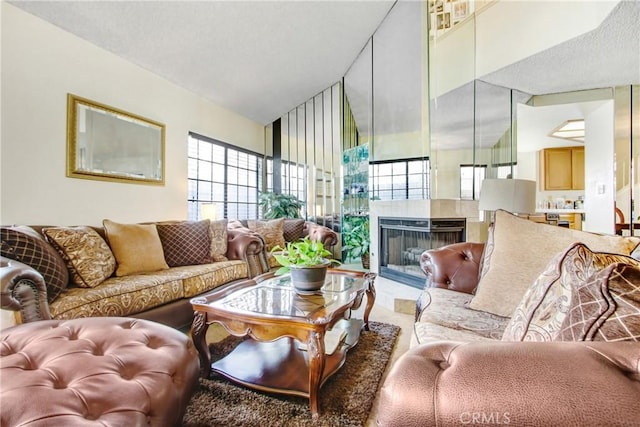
point(370, 289)
point(315, 350)
point(199, 334)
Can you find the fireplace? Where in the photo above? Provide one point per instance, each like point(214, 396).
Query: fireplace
point(403, 240)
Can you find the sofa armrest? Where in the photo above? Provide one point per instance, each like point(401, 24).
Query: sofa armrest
point(524, 383)
point(23, 289)
point(317, 232)
point(244, 244)
point(454, 266)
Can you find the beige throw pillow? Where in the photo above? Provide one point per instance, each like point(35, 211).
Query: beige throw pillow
point(521, 251)
point(137, 247)
point(219, 237)
point(272, 231)
point(88, 257)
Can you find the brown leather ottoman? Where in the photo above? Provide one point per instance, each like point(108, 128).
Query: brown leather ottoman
point(108, 371)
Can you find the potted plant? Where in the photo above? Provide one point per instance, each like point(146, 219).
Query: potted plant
point(277, 205)
point(307, 261)
point(356, 239)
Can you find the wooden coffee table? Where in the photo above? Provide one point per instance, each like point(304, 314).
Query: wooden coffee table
point(286, 349)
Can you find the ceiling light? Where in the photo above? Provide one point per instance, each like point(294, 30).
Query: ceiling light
point(570, 129)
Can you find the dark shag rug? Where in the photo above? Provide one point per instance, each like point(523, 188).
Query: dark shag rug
point(346, 398)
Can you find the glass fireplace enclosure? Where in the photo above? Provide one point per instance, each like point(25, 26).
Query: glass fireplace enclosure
point(403, 240)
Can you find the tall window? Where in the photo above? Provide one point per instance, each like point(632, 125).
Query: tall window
point(471, 177)
point(399, 179)
point(504, 171)
point(224, 175)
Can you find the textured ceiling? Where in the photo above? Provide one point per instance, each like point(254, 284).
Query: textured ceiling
point(263, 58)
point(258, 58)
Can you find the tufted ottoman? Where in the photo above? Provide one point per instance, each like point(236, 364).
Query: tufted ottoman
point(107, 371)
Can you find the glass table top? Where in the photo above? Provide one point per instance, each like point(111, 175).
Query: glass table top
point(278, 297)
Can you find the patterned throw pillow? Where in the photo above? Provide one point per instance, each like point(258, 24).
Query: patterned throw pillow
point(25, 245)
point(546, 304)
point(219, 237)
point(293, 229)
point(272, 231)
point(185, 243)
point(88, 257)
point(529, 246)
point(137, 247)
point(606, 307)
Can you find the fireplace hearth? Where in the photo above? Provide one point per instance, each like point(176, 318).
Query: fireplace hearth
point(403, 240)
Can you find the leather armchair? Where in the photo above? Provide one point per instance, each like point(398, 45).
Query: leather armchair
point(518, 384)
point(455, 267)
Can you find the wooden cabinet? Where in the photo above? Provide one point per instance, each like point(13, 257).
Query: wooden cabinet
point(562, 168)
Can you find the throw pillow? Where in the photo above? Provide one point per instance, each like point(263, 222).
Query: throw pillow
point(137, 247)
point(88, 257)
point(293, 229)
point(521, 251)
point(25, 245)
point(185, 243)
point(272, 231)
point(219, 237)
point(606, 307)
point(546, 304)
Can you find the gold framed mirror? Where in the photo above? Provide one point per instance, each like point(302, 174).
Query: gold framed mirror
point(108, 144)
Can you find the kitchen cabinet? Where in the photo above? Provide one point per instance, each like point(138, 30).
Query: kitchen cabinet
point(562, 168)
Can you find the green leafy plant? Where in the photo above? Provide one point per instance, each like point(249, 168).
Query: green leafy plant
point(356, 237)
point(277, 205)
point(303, 253)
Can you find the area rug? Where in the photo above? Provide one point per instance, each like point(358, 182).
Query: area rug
point(346, 399)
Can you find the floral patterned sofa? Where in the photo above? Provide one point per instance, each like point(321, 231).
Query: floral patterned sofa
point(539, 326)
point(149, 270)
point(529, 282)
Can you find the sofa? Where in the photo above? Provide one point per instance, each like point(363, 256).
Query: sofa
point(540, 325)
point(147, 270)
point(278, 232)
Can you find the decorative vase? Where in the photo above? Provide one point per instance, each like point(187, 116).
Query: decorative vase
point(308, 279)
point(365, 260)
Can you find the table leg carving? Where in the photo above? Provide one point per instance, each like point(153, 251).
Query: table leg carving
point(315, 349)
point(199, 334)
point(370, 289)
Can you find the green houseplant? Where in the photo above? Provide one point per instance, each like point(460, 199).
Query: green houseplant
point(356, 239)
point(307, 261)
point(277, 205)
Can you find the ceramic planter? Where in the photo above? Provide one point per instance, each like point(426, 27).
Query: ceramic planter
point(308, 279)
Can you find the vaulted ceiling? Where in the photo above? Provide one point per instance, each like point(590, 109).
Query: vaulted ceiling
point(258, 58)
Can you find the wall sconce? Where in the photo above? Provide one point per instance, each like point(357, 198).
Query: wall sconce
point(209, 211)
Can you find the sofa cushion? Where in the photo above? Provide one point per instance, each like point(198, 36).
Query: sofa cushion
point(449, 309)
point(521, 251)
point(425, 332)
point(119, 296)
point(293, 229)
point(25, 245)
point(546, 304)
point(272, 231)
point(88, 257)
point(137, 247)
point(185, 243)
point(219, 237)
point(205, 277)
point(606, 307)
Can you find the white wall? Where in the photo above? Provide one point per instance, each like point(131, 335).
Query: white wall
point(40, 65)
point(598, 166)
